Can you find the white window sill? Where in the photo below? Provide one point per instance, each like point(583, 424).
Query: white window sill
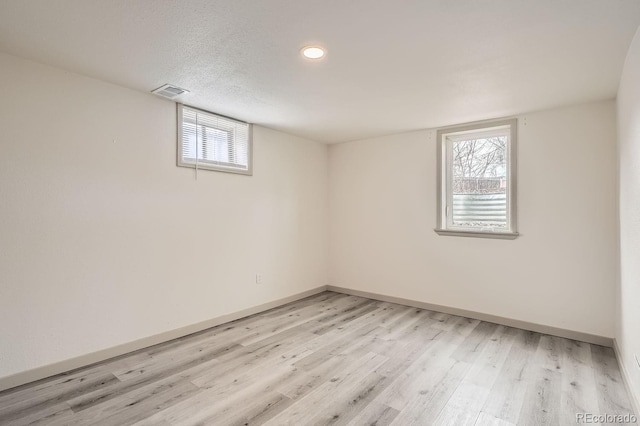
point(478, 234)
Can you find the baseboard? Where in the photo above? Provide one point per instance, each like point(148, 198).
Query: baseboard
point(544, 329)
point(82, 361)
point(625, 378)
point(46, 371)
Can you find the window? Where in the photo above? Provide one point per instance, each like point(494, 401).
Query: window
point(477, 180)
point(212, 142)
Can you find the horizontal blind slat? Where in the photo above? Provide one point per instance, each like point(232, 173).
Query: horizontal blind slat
point(219, 141)
point(480, 209)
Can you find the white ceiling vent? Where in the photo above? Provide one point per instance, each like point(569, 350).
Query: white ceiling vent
point(169, 91)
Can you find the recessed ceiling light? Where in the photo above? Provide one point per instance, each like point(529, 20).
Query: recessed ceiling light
point(312, 52)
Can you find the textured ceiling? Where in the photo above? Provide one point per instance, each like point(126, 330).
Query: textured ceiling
point(392, 66)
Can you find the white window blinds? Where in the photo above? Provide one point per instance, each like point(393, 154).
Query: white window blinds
point(212, 142)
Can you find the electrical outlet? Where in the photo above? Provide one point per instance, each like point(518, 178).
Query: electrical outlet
point(258, 279)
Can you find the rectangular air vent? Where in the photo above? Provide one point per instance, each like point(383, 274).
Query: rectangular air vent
point(169, 91)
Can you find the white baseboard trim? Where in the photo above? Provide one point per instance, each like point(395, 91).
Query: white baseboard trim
point(46, 371)
point(40, 373)
point(525, 325)
point(625, 378)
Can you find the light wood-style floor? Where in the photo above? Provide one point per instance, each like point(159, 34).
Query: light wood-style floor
point(336, 359)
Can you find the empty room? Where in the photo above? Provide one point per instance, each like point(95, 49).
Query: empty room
point(303, 212)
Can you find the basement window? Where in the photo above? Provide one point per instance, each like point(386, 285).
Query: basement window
point(212, 142)
point(477, 180)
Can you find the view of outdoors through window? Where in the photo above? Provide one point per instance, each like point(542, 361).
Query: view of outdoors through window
point(479, 182)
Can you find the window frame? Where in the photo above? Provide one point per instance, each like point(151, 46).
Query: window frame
point(218, 166)
point(444, 178)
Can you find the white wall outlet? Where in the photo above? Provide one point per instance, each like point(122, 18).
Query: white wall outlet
point(259, 279)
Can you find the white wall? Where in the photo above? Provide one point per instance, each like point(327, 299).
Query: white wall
point(628, 318)
point(560, 272)
point(103, 240)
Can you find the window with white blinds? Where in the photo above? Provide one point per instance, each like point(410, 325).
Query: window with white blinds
point(476, 180)
point(212, 142)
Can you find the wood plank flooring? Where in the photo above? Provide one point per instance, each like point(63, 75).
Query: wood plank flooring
point(334, 359)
